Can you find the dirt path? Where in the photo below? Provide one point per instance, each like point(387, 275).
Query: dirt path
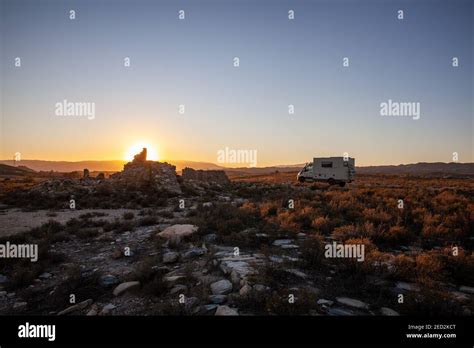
point(14, 221)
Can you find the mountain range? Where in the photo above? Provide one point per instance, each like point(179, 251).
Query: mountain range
point(7, 167)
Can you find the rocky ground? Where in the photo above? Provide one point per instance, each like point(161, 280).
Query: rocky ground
point(222, 248)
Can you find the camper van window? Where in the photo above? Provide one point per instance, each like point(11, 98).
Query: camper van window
point(326, 164)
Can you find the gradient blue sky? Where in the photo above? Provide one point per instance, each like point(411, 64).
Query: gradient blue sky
point(282, 62)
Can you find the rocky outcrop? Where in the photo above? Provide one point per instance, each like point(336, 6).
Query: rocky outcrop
point(212, 176)
point(142, 173)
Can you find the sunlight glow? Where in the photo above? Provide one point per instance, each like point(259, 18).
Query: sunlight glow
point(152, 153)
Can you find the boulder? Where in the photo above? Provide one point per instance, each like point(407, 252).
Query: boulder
point(213, 176)
point(352, 302)
point(170, 257)
point(221, 287)
point(388, 312)
point(79, 306)
point(124, 287)
point(324, 302)
point(407, 286)
point(140, 173)
point(226, 311)
point(178, 231)
point(108, 280)
point(194, 252)
point(218, 299)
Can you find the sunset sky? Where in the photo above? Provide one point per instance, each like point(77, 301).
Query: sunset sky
point(282, 62)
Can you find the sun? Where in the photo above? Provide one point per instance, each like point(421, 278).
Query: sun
point(152, 153)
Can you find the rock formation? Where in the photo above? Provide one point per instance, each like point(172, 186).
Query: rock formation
point(141, 157)
point(214, 176)
point(141, 172)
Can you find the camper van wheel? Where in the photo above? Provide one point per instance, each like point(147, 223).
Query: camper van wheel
point(331, 181)
point(301, 179)
point(342, 183)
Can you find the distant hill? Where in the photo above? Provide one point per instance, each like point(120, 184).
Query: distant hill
point(421, 168)
point(101, 166)
point(11, 170)
point(117, 165)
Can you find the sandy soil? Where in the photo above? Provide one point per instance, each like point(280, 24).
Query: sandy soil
point(14, 221)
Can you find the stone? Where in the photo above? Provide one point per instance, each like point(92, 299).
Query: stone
point(259, 287)
point(190, 303)
point(241, 268)
point(324, 302)
point(460, 296)
point(76, 307)
point(140, 157)
point(289, 246)
point(194, 252)
point(218, 299)
point(226, 311)
point(170, 257)
point(45, 275)
point(388, 312)
point(108, 280)
point(140, 173)
point(352, 302)
point(281, 242)
point(235, 278)
point(124, 287)
point(18, 306)
point(208, 309)
point(107, 309)
point(93, 311)
point(245, 290)
point(297, 273)
point(172, 279)
point(467, 289)
point(221, 287)
point(207, 205)
point(276, 259)
point(407, 286)
point(209, 238)
point(178, 230)
point(3, 279)
point(178, 289)
point(210, 176)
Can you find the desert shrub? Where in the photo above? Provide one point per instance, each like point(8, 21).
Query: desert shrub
point(428, 268)
point(431, 302)
point(225, 219)
point(460, 268)
point(345, 232)
point(321, 224)
point(278, 303)
point(397, 235)
point(150, 278)
point(403, 266)
point(312, 252)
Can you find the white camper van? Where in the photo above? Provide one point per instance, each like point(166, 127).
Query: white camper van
point(334, 170)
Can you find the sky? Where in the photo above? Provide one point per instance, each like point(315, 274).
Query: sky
point(283, 62)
